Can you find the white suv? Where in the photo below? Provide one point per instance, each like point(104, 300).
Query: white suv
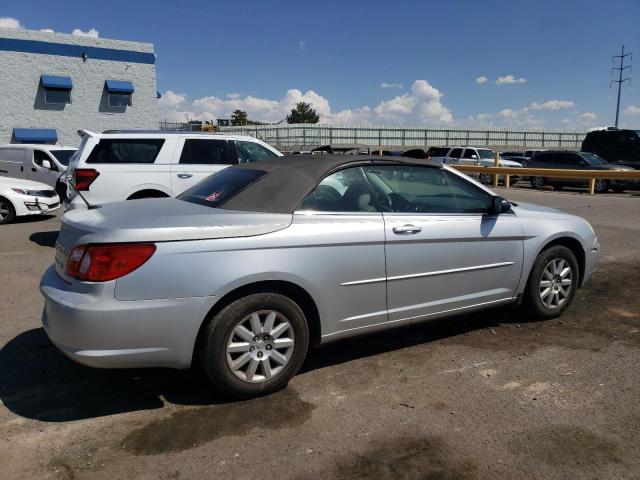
point(130, 164)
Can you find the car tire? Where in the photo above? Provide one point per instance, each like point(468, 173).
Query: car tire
point(7, 212)
point(538, 182)
point(243, 359)
point(548, 272)
point(486, 178)
point(601, 186)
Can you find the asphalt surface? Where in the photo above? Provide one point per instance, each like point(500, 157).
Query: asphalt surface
point(481, 396)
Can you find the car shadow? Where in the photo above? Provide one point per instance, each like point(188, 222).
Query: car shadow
point(39, 382)
point(44, 239)
point(33, 218)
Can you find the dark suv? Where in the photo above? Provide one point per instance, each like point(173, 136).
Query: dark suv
point(621, 147)
point(575, 161)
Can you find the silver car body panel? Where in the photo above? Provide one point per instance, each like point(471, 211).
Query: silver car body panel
point(361, 275)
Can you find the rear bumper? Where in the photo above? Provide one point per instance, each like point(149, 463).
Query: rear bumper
point(87, 324)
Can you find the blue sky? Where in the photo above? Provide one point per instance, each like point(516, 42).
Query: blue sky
point(372, 61)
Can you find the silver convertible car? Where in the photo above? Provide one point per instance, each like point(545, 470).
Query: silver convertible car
point(250, 267)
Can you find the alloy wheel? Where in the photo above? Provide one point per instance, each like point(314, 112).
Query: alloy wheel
point(4, 211)
point(538, 182)
point(556, 283)
point(260, 346)
point(601, 185)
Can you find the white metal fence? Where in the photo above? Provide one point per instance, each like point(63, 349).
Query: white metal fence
point(312, 135)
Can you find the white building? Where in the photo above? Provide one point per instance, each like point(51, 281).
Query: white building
point(53, 84)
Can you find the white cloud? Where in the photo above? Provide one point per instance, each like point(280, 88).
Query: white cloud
point(632, 110)
point(510, 79)
point(10, 22)
point(552, 105)
point(232, 95)
point(391, 85)
point(48, 30)
point(422, 104)
point(481, 79)
point(302, 44)
point(89, 33)
point(588, 116)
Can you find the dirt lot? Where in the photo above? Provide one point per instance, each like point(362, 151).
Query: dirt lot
point(480, 396)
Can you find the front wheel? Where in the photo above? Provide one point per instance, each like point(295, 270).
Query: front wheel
point(486, 178)
point(601, 186)
point(552, 283)
point(7, 212)
point(255, 345)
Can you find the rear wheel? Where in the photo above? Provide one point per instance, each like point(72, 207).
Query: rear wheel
point(255, 345)
point(486, 178)
point(538, 182)
point(552, 283)
point(7, 212)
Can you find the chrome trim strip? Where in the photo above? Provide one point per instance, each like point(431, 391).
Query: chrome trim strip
point(427, 274)
point(453, 270)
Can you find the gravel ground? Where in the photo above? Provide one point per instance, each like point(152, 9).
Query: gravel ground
point(481, 396)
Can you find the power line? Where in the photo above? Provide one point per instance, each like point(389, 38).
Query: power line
point(620, 80)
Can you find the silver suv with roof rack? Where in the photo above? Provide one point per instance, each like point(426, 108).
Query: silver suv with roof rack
point(132, 164)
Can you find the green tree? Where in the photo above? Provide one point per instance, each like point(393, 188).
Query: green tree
point(239, 117)
point(303, 113)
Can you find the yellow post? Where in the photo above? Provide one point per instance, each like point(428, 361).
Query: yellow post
point(507, 181)
point(496, 177)
point(592, 186)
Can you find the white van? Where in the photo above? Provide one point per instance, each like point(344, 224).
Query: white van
point(131, 164)
point(39, 163)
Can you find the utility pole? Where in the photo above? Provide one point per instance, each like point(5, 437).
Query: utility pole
point(620, 80)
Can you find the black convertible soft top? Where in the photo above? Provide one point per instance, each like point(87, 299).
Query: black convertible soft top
point(290, 179)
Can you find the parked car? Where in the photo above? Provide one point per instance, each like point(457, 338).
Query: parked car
point(248, 268)
point(510, 154)
point(19, 197)
point(476, 156)
point(134, 164)
point(41, 163)
point(530, 153)
point(620, 147)
point(576, 161)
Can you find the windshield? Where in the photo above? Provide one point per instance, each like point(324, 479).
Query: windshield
point(484, 154)
point(220, 187)
point(593, 159)
point(62, 156)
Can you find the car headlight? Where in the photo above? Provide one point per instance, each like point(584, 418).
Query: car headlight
point(21, 191)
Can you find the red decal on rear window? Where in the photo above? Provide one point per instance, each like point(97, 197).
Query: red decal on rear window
point(213, 197)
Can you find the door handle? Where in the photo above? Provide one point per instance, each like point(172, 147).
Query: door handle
point(185, 175)
point(406, 230)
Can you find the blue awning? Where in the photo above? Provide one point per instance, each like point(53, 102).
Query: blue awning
point(35, 135)
point(119, 86)
point(51, 81)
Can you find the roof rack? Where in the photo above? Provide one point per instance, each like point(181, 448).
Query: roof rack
point(166, 132)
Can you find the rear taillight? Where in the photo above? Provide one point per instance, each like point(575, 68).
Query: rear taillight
point(101, 263)
point(83, 178)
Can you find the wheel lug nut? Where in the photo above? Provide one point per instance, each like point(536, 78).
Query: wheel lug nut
point(266, 337)
point(260, 354)
point(256, 338)
point(269, 347)
point(252, 348)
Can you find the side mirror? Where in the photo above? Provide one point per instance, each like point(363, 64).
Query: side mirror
point(46, 164)
point(500, 205)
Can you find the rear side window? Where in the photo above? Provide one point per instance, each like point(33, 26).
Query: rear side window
point(455, 153)
point(221, 187)
point(205, 152)
point(12, 155)
point(126, 150)
point(438, 152)
point(252, 152)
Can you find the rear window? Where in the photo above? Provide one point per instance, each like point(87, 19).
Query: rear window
point(62, 156)
point(126, 150)
point(438, 152)
point(220, 187)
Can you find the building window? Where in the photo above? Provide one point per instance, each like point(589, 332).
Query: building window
point(119, 93)
point(57, 90)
